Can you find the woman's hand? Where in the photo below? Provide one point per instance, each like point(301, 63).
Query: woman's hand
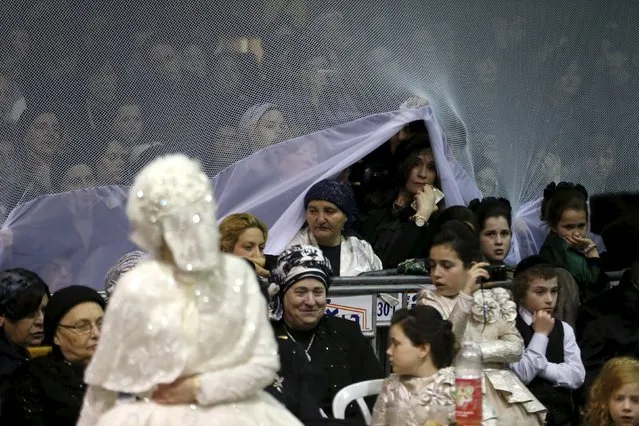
point(182, 391)
point(475, 273)
point(426, 202)
point(259, 263)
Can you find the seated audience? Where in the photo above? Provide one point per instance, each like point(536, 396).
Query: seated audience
point(244, 235)
point(330, 215)
point(336, 349)
point(494, 216)
point(565, 211)
point(23, 299)
point(551, 365)
point(614, 397)
point(397, 228)
point(422, 387)
point(49, 389)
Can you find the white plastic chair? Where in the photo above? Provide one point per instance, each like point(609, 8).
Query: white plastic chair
point(356, 392)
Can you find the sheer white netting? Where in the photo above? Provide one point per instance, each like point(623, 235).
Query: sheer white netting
point(524, 93)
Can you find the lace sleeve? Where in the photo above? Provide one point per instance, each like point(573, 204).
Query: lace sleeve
point(97, 401)
point(508, 348)
point(248, 378)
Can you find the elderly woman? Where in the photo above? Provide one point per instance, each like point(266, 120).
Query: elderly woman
point(186, 331)
point(330, 214)
point(49, 389)
point(124, 264)
point(23, 298)
point(337, 350)
point(244, 235)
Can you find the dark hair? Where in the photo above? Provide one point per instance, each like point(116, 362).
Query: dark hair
point(28, 296)
point(521, 282)
point(425, 325)
point(406, 156)
point(458, 213)
point(462, 239)
point(63, 162)
point(560, 197)
point(491, 207)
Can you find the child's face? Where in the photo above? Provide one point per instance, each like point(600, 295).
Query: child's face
point(542, 295)
point(447, 270)
point(624, 405)
point(572, 223)
point(405, 357)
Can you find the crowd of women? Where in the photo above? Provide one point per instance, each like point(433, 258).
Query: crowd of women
point(185, 337)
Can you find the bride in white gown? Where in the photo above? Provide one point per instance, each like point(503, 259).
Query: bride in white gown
point(186, 332)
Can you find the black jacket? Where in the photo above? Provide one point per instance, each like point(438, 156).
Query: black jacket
point(11, 358)
point(293, 383)
point(607, 327)
point(340, 356)
point(47, 390)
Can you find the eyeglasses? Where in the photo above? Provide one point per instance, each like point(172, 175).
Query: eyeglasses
point(84, 327)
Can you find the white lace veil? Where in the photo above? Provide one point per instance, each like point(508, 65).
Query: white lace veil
point(171, 203)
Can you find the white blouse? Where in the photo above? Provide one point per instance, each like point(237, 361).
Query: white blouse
point(356, 256)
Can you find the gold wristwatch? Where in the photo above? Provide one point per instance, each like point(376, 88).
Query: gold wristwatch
point(419, 221)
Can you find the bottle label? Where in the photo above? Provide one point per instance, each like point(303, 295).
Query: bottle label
point(469, 401)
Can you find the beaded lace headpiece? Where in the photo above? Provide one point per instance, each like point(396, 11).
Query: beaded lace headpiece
point(171, 203)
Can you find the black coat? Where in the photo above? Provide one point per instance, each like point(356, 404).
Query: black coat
point(393, 236)
point(47, 390)
point(11, 358)
point(340, 356)
point(293, 383)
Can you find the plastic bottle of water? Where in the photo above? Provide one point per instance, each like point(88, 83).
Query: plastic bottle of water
point(468, 375)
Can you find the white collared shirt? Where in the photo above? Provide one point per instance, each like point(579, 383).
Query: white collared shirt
point(568, 374)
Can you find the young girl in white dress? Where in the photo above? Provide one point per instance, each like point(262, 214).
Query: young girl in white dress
point(422, 386)
point(186, 332)
point(486, 317)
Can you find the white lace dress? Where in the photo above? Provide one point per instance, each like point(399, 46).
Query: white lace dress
point(161, 325)
point(411, 401)
point(488, 318)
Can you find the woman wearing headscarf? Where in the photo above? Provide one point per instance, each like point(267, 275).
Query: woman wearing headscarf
point(330, 215)
point(337, 350)
point(125, 264)
point(262, 125)
point(187, 331)
point(49, 389)
point(23, 299)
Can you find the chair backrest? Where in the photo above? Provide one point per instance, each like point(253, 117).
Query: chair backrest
point(356, 392)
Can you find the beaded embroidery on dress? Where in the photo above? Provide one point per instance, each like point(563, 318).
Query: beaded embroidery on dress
point(202, 314)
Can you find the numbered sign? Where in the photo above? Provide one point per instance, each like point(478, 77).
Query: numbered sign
point(385, 310)
point(353, 308)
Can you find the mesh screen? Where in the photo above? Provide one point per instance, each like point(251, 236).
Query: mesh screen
point(525, 92)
